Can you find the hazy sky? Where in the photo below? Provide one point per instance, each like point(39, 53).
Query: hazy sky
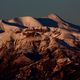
point(67, 9)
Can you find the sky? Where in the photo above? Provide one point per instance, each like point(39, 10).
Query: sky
point(69, 10)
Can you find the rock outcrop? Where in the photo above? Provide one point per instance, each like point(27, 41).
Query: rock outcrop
point(31, 51)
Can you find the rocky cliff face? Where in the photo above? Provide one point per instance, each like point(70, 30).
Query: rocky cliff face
point(30, 49)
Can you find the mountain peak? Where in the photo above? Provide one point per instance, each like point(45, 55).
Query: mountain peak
point(55, 17)
point(39, 48)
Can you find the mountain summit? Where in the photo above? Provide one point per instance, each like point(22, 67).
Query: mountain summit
point(39, 49)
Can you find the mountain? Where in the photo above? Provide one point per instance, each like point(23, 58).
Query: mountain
point(39, 49)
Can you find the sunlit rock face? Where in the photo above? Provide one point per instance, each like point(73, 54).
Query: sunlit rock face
point(39, 49)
